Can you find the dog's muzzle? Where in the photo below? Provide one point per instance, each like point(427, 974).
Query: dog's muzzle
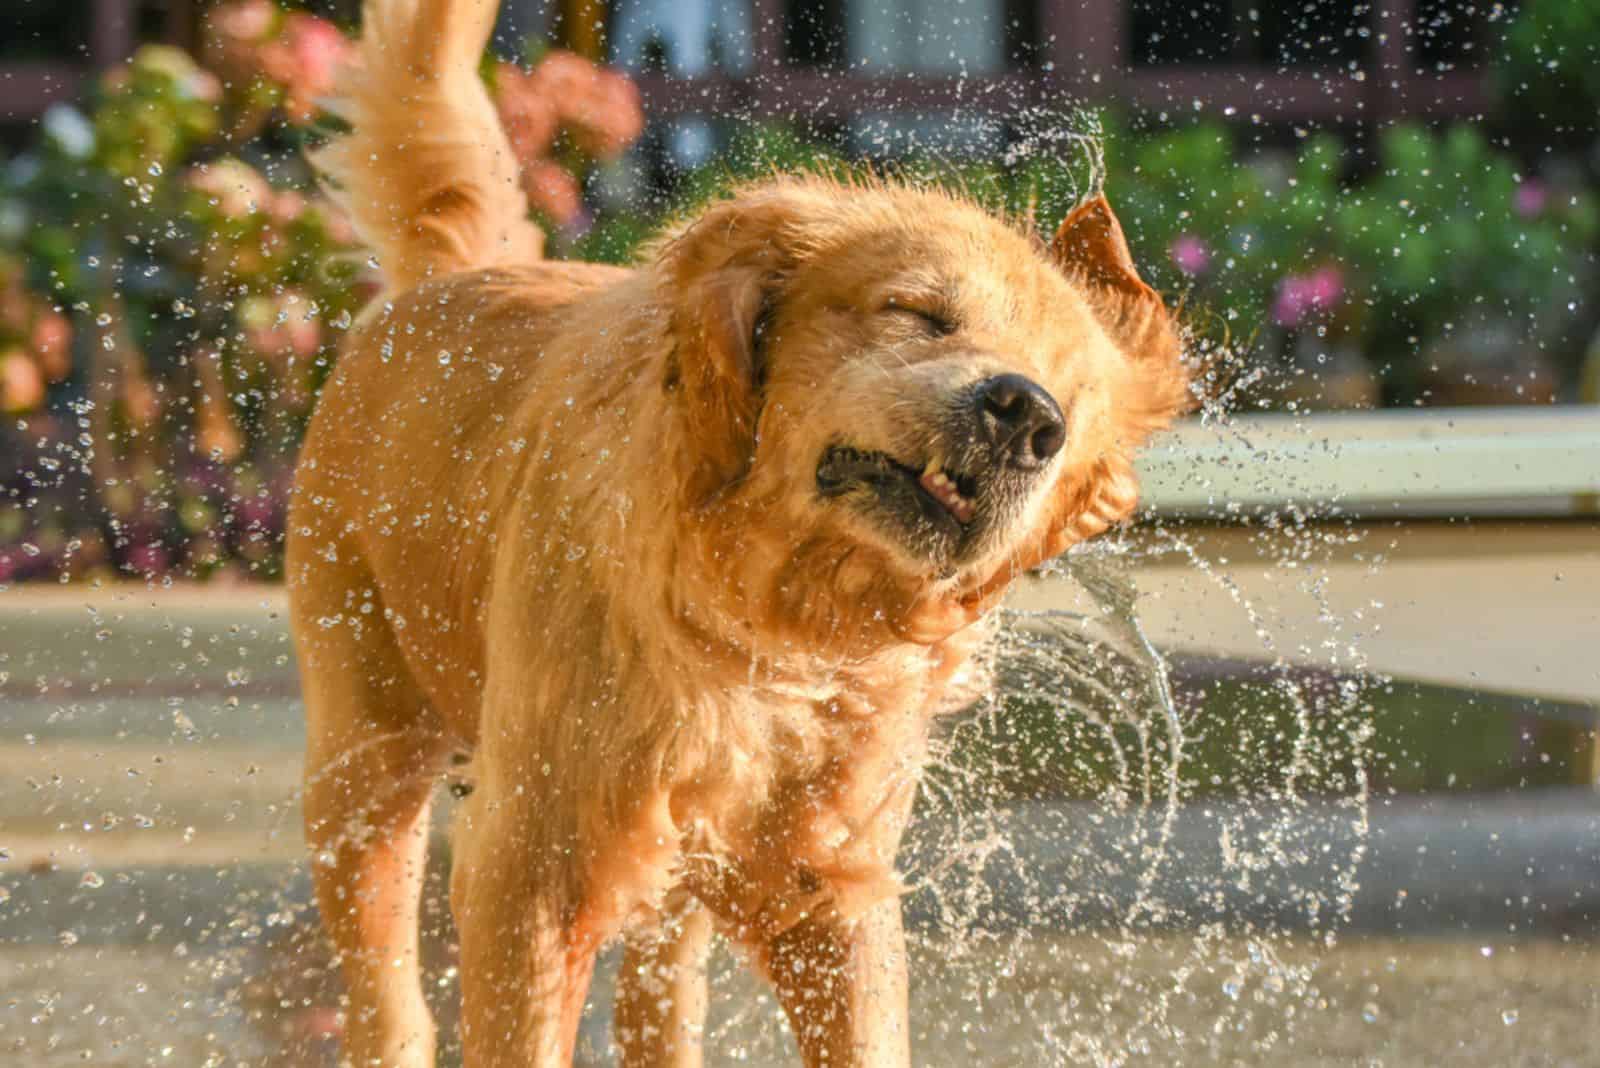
point(986, 451)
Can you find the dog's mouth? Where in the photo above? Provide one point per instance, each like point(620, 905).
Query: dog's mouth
point(930, 500)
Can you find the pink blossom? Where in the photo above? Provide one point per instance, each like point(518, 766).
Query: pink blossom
point(552, 189)
point(304, 59)
point(280, 326)
point(1299, 295)
point(244, 20)
point(1529, 199)
point(233, 36)
point(51, 342)
point(526, 112)
point(149, 559)
point(235, 188)
point(287, 206)
point(21, 384)
point(601, 107)
point(1190, 254)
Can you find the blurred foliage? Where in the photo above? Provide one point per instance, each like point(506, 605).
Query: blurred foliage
point(173, 286)
point(1278, 254)
point(1550, 65)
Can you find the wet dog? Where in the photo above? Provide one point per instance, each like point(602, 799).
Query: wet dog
point(686, 556)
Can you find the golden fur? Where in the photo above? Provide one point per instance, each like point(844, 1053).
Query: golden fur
point(567, 518)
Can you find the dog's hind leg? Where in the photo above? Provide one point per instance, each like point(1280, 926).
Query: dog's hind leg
point(373, 754)
point(661, 990)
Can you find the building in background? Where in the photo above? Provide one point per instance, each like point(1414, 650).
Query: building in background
point(839, 60)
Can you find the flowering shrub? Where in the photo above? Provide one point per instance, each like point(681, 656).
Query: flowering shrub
point(1337, 291)
point(1306, 267)
point(173, 286)
point(597, 109)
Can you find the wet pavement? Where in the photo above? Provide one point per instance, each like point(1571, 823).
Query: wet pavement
point(153, 894)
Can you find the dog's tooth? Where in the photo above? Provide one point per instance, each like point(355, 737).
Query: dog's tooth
point(934, 463)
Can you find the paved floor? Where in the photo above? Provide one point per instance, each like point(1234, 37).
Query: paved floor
point(153, 896)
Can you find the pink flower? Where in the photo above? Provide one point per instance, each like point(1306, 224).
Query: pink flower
point(232, 38)
point(1190, 254)
point(235, 188)
point(304, 59)
point(1299, 295)
point(610, 118)
point(280, 326)
point(51, 343)
point(244, 20)
point(526, 112)
point(287, 206)
point(552, 189)
point(601, 106)
point(149, 559)
point(336, 222)
point(1529, 199)
point(21, 384)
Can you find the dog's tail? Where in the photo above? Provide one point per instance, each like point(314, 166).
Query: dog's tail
point(426, 173)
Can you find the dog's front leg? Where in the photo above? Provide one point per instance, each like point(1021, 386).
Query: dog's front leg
point(525, 967)
point(843, 984)
point(661, 989)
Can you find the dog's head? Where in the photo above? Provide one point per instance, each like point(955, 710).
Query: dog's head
point(894, 375)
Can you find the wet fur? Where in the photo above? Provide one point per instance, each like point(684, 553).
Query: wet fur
point(564, 517)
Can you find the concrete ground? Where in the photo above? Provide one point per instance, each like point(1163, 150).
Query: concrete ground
point(153, 895)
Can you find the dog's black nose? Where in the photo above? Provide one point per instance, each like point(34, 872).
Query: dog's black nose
point(1023, 423)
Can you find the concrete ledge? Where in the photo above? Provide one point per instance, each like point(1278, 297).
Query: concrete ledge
point(1522, 460)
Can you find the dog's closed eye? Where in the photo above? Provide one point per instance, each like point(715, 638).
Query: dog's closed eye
point(932, 320)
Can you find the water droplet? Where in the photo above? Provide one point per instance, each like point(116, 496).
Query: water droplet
point(92, 880)
point(1369, 1012)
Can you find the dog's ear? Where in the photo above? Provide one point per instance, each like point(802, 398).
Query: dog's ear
point(1091, 249)
point(723, 276)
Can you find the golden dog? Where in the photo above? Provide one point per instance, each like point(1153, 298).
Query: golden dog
point(687, 557)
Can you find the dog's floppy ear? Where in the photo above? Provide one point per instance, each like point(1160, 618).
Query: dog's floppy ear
point(722, 277)
point(1090, 248)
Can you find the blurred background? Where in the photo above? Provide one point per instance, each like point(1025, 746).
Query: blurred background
point(1371, 565)
point(1377, 205)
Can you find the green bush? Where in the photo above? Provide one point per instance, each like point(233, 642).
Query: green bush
point(1550, 65)
point(1279, 253)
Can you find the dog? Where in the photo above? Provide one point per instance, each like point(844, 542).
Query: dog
point(686, 556)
